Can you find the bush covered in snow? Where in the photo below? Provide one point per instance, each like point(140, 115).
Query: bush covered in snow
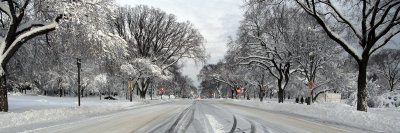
point(390, 99)
point(352, 100)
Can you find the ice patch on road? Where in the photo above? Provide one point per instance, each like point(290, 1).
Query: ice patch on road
point(217, 127)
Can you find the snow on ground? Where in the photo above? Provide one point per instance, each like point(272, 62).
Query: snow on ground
point(30, 109)
point(376, 119)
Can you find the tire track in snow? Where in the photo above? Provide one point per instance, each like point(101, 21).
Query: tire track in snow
point(183, 121)
point(234, 124)
point(253, 128)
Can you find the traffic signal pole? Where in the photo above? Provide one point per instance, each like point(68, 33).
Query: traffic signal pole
point(78, 63)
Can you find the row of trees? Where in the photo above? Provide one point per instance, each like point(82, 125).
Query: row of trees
point(43, 39)
point(288, 44)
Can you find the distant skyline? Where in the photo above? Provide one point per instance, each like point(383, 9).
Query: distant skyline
point(215, 19)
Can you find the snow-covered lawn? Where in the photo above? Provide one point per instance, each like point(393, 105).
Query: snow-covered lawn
point(29, 109)
point(376, 119)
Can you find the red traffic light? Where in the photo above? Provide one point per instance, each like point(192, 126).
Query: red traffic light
point(162, 89)
point(238, 91)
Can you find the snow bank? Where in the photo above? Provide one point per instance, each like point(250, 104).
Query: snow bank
point(390, 99)
point(40, 109)
point(385, 120)
point(35, 116)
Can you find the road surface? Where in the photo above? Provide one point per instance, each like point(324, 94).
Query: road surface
point(194, 116)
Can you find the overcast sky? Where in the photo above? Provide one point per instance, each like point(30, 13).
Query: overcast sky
point(215, 19)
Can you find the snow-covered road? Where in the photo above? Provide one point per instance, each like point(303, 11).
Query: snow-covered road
point(208, 116)
point(193, 116)
point(132, 120)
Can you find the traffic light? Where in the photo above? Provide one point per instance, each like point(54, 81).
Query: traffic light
point(238, 90)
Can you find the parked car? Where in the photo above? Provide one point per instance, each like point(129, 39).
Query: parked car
point(110, 98)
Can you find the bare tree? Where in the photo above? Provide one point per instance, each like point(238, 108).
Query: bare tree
point(22, 20)
point(267, 32)
point(154, 35)
point(387, 63)
point(224, 73)
point(379, 22)
point(16, 31)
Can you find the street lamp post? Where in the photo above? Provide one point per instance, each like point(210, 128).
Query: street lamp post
point(78, 63)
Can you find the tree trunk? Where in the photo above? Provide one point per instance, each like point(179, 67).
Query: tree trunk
point(261, 94)
point(137, 91)
point(280, 90)
point(391, 85)
point(59, 87)
point(143, 89)
point(280, 95)
point(284, 95)
point(270, 95)
point(130, 94)
point(142, 94)
point(232, 93)
point(60, 91)
point(236, 95)
point(362, 82)
point(109, 91)
point(3, 94)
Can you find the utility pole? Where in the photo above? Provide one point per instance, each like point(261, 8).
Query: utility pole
point(130, 89)
point(78, 63)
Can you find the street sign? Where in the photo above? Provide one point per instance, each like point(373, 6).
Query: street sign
point(130, 84)
point(310, 84)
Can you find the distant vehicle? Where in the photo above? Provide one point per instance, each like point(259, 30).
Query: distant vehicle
point(110, 98)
